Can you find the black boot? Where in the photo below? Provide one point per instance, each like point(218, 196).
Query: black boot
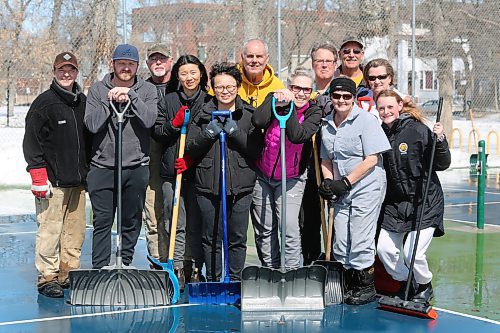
point(363, 290)
point(348, 285)
point(424, 293)
point(411, 292)
point(51, 289)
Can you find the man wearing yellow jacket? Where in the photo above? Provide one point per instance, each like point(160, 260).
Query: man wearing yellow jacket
point(258, 76)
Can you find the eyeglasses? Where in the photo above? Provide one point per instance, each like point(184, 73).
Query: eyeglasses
point(346, 97)
point(296, 89)
point(380, 77)
point(355, 51)
point(230, 89)
point(325, 61)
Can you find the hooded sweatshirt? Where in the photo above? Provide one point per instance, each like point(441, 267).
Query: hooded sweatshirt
point(254, 94)
point(101, 120)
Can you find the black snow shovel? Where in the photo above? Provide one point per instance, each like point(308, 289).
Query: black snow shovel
point(334, 291)
point(119, 285)
point(267, 289)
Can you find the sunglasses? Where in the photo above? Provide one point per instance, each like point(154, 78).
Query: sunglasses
point(296, 89)
point(346, 97)
point(380, 77)
point(355, 51)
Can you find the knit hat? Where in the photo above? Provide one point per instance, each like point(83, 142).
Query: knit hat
point(126, 52)
point(344, 84)
point(65, 58)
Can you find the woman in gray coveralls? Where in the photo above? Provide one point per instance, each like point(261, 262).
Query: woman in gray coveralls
point(351, 154)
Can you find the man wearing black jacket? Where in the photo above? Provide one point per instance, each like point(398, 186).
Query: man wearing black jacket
point(54, 148)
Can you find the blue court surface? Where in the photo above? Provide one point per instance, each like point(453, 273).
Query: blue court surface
point(22, 309)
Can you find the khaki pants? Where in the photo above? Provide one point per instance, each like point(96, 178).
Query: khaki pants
point(156, 235)
point(60, 234)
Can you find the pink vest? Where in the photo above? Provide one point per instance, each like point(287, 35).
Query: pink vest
point(271, 160)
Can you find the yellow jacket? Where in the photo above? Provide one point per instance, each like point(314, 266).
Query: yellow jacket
point(255, 94)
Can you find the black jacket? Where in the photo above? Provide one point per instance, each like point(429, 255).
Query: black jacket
point(406, 167)
point(242, 149)
point(295, 131)
point(167, 135)
point(55, 137)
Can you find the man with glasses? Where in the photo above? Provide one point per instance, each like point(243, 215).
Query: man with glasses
point(258, 76)
point(324, 64)
point(351, 55)
point(54, 147)
point(159, 62)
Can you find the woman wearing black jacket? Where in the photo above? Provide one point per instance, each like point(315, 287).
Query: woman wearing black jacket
point(244, 145)
point(406, 166)
point(187, 89)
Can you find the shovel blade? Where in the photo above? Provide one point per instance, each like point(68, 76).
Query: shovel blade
point(214, 292)
point(334, 285)
point(266, 289)
point(119, 286)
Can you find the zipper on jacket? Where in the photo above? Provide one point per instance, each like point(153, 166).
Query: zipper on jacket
point(276, 163)
point(78, 144)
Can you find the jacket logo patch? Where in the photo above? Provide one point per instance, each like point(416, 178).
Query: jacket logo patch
point(403, 148)
point(61, 122)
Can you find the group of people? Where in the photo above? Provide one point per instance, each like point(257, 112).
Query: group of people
point(372, 141)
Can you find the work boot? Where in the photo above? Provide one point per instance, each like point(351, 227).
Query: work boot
point(347, 282)
point(363, 290)
point(51, 289)
point(179, 272)
point(424, 294)
point(64, 283)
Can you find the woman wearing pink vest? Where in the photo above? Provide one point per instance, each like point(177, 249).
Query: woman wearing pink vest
point(266, 203)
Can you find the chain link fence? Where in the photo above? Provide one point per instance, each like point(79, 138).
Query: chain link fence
point(457, 49)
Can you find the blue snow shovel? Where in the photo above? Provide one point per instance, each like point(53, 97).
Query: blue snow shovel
point(227, 291)
point(169, 265)
point(267, 289)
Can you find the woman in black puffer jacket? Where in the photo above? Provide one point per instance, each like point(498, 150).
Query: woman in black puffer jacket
point(406, 167)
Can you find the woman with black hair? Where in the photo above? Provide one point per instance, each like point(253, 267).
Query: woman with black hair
point(244, 144)
point(187, 89)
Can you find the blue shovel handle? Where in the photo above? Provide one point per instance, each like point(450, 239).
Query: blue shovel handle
point(225, 114)
point(187, 114)
point(282, 118)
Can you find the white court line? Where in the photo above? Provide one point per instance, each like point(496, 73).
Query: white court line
point(38, 320)
point(472, 222)
point(469, 316)
point(466, 190)
point(22, 232)
point(471, 204)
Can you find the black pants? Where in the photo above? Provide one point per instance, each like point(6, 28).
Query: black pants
point(238, 208)
point(102, 191)
point(310, 219)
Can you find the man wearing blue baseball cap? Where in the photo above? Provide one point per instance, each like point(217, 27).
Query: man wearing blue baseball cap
point(119, 87)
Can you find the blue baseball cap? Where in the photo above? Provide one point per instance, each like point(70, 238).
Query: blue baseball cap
point(126, 52)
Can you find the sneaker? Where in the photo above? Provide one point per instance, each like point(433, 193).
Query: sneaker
point(179, 272)
point(64, 284)
point(51, 289)
point(424, 294)
point(197, 277)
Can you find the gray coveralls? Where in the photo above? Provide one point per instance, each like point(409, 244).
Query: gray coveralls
point(356, 214)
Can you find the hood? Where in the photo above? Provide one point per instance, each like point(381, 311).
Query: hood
point(403, 120)
point(266, 80)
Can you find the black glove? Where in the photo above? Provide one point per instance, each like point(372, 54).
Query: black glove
point(334, 188)
point(213, 129)
point(230, 127)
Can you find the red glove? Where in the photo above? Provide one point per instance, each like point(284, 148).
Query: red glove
point(179, 117)
point(182, 164)
point(40, 185)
